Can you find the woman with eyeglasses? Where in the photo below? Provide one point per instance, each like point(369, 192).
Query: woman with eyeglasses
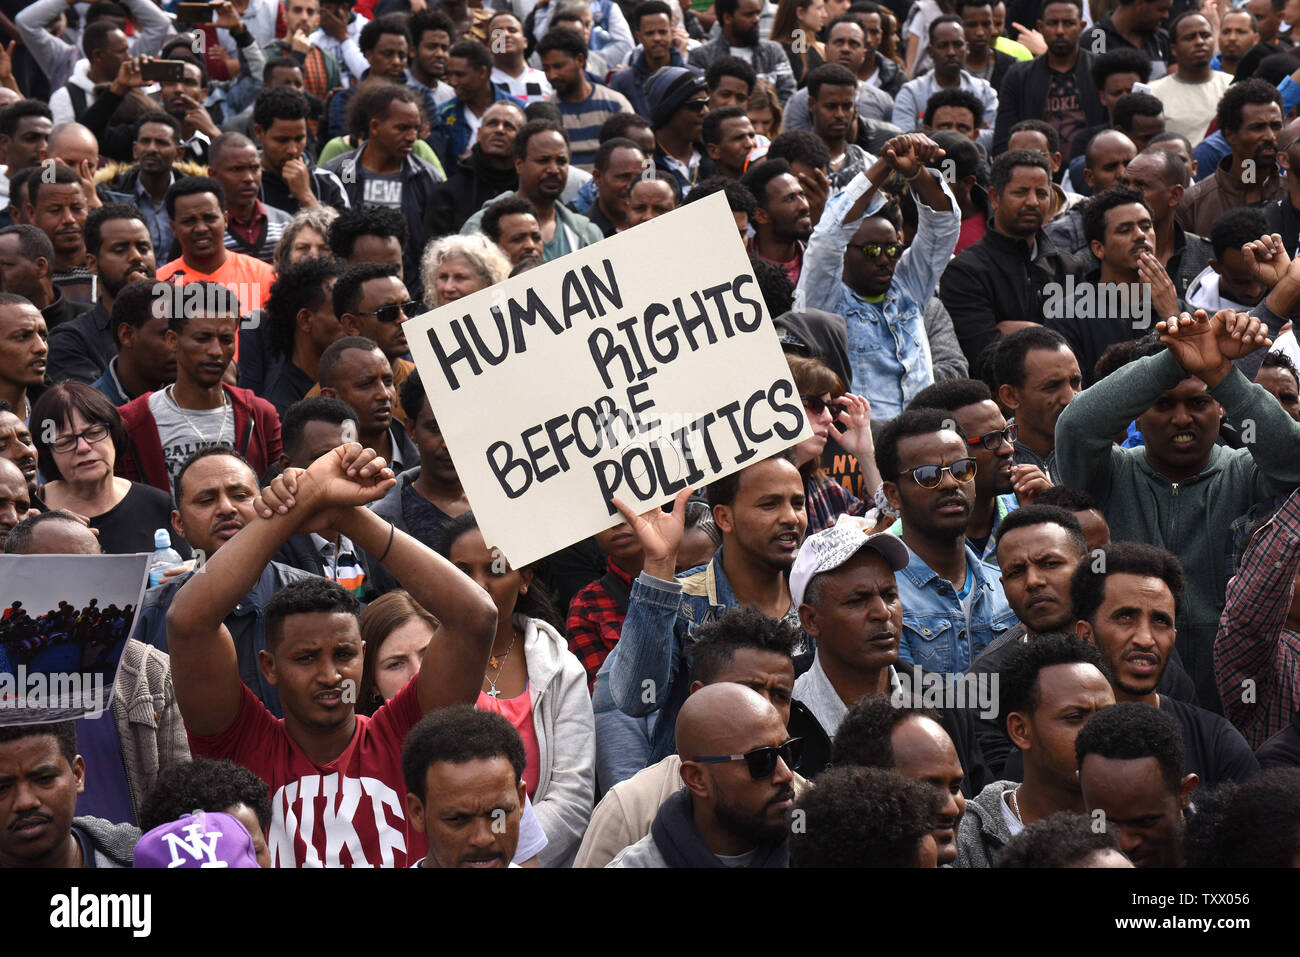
point(457, 266)
point(539, 685)
point(79, 436)
point(826, 403)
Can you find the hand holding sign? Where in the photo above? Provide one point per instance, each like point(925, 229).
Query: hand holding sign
point(659, 533)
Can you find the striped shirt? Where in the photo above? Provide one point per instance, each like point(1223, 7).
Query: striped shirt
point(258, 237)
point(582, 121)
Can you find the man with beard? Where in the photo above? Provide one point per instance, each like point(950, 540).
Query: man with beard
point(252, 228)
point(1179, 397)
point(17, 446)
point(1250, 117)
point(1130, 760)
point(999, 284)
point(856, 267)
point(737, 764)
point(145, 360)
point(831, 92)
point(118, 251)
point(1163, 176)
point(999, 483)
point(955, 603)
point(56, 205)
point(762, 514)
point(1058, 87)
point(1036, 376)
point(1126, 604)
point(782, 219)
point(1048, 688)
point(156, 146)
point(489, 171)
point(1136, 24)
point(738, 21)
point(383, 170)
point(1131, 290)
point(948, 50)
point(619, 162)
point(584, 105)
point(215, 491)
point(542, 162)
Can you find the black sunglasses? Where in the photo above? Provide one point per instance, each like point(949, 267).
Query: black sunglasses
point(816, 404)
point(929, 476)
point(762, 761)
point(696, 106)
point(393, 311)
point(993, 440)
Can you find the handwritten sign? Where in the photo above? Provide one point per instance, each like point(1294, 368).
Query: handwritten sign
point(636, 367)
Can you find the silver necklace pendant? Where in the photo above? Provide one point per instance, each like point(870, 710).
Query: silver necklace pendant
point(494, 693)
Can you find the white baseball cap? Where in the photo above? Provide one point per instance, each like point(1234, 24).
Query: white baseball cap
point(832, 547)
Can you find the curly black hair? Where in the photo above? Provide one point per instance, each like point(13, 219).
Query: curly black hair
point(1255, 824)
point(1088, 586)
point(1019, 684)
point(299, 286)
point(717, 642)
point(204, 785)
point(1064, 839)
point(865, 736)
point(458, 734)
point(863, 817)
point(1130, 731)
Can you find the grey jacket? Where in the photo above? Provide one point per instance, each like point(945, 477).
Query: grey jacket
point(873, 104)
point(983, 831)
point(946, 357)
point(770, 63)
point(114, 844)
point(148, 719)
point(566, 741)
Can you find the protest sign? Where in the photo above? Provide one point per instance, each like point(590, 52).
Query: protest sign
point(64, 620)
point(636, 367)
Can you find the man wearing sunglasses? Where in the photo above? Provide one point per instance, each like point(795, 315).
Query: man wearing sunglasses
point(855, 266)
point(991, 442)
point(738, 765)
point(743, 647)
point(953, 603)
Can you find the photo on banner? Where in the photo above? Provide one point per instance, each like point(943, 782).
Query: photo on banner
point(637, 367)
point(64, 620)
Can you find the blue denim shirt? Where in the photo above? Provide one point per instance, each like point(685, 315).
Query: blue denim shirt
point(889, 352)
point(649, 669)
point(934, 627)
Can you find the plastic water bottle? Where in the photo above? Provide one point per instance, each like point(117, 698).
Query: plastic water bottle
point(164, 557)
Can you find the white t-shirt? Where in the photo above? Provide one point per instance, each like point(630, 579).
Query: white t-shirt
point(531, 86)
point(183, 432)
point(1190, 107)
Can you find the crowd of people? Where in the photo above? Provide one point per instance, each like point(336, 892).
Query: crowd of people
point(1026, 596)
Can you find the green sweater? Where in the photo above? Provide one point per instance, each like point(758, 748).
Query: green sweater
point(1190, 518)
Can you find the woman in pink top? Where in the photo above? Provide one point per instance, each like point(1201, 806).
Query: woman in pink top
point(540, 686)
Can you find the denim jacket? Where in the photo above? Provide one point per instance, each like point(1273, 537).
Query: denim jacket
point(889, 352)
point(649, 669)
point(934, 627)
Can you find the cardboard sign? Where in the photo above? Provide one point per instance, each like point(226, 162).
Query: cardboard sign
point(636, 367)
point(64, 620)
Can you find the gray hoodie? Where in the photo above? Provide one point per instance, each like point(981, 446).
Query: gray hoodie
point(984, 831)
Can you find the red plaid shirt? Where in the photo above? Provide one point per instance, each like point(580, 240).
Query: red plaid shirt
point(1254, 643)
point(595, 622)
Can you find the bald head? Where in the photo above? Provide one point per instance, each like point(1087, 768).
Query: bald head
point(1107, 158)
point(52, 533)
point(727, 718)
point(72, 143)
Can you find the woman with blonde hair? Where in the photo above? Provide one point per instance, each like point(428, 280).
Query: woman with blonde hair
point(764, 109)
point(456, 266)
point(396, 631)
point(306, 237)
point(796, 26)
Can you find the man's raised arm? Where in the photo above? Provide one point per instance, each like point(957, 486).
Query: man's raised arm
point(205, 669)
